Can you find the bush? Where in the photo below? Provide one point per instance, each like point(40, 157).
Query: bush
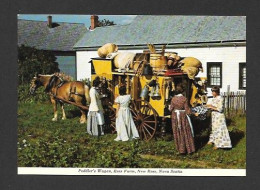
point(31, 61)
point(24, 96)
point(56, 153)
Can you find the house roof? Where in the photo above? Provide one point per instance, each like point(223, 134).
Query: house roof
point(61, 37)
point(168, 30)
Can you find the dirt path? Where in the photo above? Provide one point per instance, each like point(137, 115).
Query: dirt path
point(192, 164)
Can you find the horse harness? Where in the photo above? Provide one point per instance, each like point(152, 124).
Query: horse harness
point(71, 92)
point(74, 92)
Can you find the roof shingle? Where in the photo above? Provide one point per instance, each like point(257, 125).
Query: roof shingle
point(168, 30)
point(37, 34)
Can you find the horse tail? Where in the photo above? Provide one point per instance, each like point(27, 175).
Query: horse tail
point(86, 88)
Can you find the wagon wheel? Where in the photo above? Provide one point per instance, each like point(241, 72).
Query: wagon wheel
point(110, 118)
point(145, 118)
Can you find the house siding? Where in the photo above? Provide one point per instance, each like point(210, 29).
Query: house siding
point(67, 62)
point(67, 65)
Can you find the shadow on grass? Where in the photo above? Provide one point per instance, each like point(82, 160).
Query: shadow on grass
point(236, 135)
point(201, 131)
point(73, 113)
point(228, 121)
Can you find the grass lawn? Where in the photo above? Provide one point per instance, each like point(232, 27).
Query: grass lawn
point(42, 142)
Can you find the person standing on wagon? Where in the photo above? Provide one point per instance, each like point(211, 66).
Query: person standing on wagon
point(181, 123)
point(95, 114)
point(125, 126)
point(219, 134)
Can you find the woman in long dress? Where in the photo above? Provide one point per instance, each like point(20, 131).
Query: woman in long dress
point(219, 134)
point(125, 126)
point(96, 114)
point(181, 123)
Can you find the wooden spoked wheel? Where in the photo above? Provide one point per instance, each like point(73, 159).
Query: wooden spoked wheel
point(110, 118)
point(145, 118)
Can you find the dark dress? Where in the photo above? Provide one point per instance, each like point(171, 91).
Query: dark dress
point(182, 132)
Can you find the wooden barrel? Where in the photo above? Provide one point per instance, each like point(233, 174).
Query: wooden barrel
point(158, 61)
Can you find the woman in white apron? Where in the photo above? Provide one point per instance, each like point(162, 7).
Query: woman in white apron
point(96, 113)
point(181, 124)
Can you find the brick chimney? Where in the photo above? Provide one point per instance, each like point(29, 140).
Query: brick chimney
point(49, 24)
point(94, 21)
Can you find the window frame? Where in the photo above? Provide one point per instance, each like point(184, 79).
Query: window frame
point(209, 65)
point(240, 77)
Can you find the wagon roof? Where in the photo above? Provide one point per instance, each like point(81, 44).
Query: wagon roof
point(168, 30)
point(61, 37)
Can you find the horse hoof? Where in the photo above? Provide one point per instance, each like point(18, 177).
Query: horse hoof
point(54, 119)
point(63, 118)
point(82, 122)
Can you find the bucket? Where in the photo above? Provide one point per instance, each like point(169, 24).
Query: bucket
point(158, 61)
point(144, 92)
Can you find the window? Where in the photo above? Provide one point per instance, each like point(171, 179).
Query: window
point(214, 74)
point(242, 76)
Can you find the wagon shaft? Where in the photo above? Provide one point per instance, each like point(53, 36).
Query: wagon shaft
point(69, 102)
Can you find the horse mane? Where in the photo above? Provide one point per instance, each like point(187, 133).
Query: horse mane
point(52, 81)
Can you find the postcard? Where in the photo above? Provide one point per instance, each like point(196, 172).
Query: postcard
point(135, 95)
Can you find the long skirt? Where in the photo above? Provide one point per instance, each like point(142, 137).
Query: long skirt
point(219, 133)
point(125, 126)
point(94, 123)
point(182, 133)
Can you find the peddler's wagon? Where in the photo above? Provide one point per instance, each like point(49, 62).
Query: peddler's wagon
point(150, 78)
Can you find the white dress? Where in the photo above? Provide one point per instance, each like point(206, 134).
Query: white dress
point(125, 126)
point(219, 133)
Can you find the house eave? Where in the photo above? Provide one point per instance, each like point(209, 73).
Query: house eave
point(172, 45)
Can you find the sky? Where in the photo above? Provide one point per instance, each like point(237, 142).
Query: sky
point(118, 19)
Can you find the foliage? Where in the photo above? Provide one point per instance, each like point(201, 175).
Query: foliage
point(105, 22)
point(24, 96)
point(42, 142)
point(31, 61)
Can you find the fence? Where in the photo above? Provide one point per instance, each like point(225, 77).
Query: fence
point(235, 103)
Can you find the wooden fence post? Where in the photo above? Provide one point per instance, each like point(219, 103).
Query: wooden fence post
point(244, 102)
point(225, 103)
point(228, 90)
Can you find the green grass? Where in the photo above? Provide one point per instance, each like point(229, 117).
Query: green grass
point(42, 142)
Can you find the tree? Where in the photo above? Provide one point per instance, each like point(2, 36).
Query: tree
point(31, 61)
point(105, 22)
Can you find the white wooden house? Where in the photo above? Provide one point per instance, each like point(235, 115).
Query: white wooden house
point(219, 42)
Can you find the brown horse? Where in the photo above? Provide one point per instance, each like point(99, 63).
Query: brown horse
point(75, 91)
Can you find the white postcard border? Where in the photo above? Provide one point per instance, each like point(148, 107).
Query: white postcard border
point(130, 171)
